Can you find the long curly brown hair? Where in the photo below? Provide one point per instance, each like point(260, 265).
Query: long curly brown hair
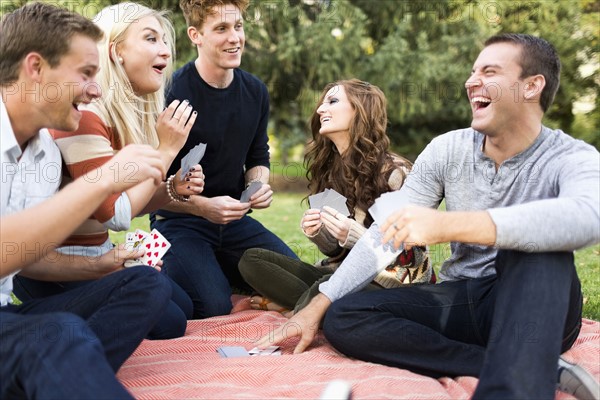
point(361, 173)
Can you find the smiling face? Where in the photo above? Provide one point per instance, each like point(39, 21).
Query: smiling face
point(144, 52)
point(69, 84)
point(221, 39)
point(335, 115)
point(495, 89)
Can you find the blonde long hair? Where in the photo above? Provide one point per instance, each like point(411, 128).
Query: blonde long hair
point(132, 117)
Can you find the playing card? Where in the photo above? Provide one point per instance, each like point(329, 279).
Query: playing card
point(129, 237)
point(133, 240)
point(193, 157)
point(232, 351)
point(140, 235)
point(336, 201)
point(387, 204)
point(315, 201)
point(250, 190)
point(155, 246)
point(269, 351)
point(329, 195)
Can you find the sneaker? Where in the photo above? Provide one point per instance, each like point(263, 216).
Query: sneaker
point(337, 390)
point(576, 381)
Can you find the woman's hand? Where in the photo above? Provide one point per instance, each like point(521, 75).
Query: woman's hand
point(311, 222)
point(192, 183)
point(173, 127)
point(336, 223)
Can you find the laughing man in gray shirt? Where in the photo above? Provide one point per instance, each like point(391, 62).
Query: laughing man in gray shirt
point(520, 198)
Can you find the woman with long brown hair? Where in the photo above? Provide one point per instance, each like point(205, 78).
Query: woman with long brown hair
point(350, 154)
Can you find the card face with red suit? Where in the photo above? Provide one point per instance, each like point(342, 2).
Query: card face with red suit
point(154, 245)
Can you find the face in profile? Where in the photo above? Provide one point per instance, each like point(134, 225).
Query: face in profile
point(495, 88)
point(335, 114)
point(144, 52)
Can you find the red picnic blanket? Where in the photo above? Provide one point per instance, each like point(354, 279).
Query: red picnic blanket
point(191, 368)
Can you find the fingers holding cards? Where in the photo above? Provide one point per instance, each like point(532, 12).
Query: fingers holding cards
point(153, 244)
point(262, 197)
point(311, 221)
point(333, 204)
point(336, 223)
point(193, 157)
point(252, 188)
point(331, 198)
point(191, 183)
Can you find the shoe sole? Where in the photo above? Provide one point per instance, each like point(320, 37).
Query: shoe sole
point(576, 381)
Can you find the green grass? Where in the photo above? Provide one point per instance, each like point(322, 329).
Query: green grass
point(283, 218)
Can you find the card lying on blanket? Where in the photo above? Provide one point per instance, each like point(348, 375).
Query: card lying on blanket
point(232, 351)
point(269, 351)
point(330, 198)
point(192, 158)
point(239, 351)
point(154, 245)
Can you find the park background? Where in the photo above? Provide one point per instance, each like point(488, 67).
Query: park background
point(419, 53)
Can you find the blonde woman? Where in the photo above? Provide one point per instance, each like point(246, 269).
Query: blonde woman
point(135, 63)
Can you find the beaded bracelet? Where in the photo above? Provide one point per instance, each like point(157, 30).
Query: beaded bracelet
point(173, 195)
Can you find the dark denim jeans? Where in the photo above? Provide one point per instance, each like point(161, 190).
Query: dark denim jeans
point(47, 352)
point(203, 258)
point(53, 356)
point(172, 323)
point(508, 329)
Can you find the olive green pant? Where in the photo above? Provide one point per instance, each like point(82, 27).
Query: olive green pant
point(289, 282)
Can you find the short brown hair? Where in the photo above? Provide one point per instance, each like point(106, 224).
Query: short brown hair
point(538, 56)
point(41, 28)
point(195, 12)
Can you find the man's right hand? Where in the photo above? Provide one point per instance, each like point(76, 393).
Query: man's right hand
point(218, 210)
point(305, 324)
point(132, 165)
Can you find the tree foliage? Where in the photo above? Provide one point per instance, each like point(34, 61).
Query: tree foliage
point(418, 52)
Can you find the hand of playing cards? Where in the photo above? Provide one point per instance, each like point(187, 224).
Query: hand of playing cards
point(331, 198)
point(250, 190)
point(385, 205)
point(154, 245)
point(192, 158)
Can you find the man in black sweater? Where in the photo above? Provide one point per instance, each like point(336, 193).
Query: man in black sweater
point(209, 233)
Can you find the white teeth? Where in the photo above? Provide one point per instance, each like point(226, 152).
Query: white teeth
point(326, 119)
point(231, 50)
point(480, 99)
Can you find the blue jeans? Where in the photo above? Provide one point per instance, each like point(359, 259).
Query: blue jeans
point(172, 323)
point(508, 329)
point(70, 345)
point(53, 356)
point(203, 258)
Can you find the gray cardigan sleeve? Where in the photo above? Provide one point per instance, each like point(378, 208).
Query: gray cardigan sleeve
point(366, 259)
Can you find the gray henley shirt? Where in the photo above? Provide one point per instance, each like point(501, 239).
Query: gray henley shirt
point(546, 198)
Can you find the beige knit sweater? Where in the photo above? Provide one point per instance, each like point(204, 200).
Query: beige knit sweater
point(413, 267)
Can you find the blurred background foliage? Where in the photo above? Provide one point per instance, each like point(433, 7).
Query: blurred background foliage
point(418, 52)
